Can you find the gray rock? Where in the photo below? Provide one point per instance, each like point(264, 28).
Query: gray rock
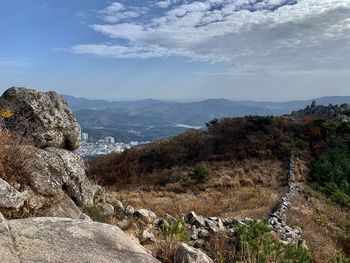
point(146, 216)
point(194, 219)
point(124, 224)
point(187, 254)
point(193, 232)
point(129, 210)
point(118, 205)
point(146, 237)
point(52, 172)
point(66, 208)
point(45, 117)
point(203, 233)
point(215, 225)
point(107, 209)
point(9, 196)
point(53, 240)
point(7, 247)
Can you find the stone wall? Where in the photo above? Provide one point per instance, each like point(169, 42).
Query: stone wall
point(278, 218)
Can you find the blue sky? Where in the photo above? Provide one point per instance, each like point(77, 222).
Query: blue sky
point(177, 49)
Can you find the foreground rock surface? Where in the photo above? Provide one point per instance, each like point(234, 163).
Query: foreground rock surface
point(61, 240)
point(45, 117)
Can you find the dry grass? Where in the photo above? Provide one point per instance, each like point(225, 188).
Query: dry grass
point(326, 227)
point(11, 160)
point(246, 189)
point(165, 249)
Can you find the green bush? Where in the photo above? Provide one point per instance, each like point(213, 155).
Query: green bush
point(331, 171)
point(261, 120)
point(175, 228)
point(300, 144)
point(340, 198)
point(95, 213)
point(341, 258)
point(255, 243)
point(199, 173)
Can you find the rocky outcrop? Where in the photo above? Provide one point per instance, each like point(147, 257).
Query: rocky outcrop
point(46, 177)
point(53, 240)
point(187, 254)
point(324, 112)
point(44, 117)
point(49, 179)
point(39, 180)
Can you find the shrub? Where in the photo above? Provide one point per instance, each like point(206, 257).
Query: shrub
point(261, 120)
point(176, 228)
point(340, 198)
point(199, 173)
point(300, 144)
point(95, 213)
point(331, 171)
point(255, 243)
point(341, 258)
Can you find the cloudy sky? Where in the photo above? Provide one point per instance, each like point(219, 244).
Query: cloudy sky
point(177, 49)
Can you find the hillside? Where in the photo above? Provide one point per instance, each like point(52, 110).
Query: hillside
point(237, 167)
point(150, 120)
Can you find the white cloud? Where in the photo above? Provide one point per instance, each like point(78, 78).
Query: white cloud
point(249, 34)
point(116, 12)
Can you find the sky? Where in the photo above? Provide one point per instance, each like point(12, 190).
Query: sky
point(274, 50)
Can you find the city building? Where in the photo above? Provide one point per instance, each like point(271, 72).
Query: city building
point(84, 136)
point(109, 139)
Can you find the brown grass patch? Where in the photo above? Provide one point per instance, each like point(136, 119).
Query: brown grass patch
point(326, 227)
point(225, 194)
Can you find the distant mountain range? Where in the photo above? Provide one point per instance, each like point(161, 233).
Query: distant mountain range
point(136, 119)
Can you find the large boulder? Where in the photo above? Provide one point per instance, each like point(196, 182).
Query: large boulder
point(49, 182)
point(43, 116)
point(53, 171)
point(52, 240)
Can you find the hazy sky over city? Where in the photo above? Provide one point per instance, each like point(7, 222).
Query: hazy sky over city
point(177, 49)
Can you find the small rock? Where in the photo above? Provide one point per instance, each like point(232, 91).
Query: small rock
point(129, 210)
point(203, 233)
point(107, 209)
point(187, 254)
point(215, 225)
point(118, 205)
point(85, 217)
point(193, 233)
point(124, 224)
point(145, 215)
point(199, 243)
point(9, 196)
point(194, 219)
point(146, 237)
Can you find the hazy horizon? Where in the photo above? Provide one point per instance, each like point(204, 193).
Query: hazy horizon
point(270, 50)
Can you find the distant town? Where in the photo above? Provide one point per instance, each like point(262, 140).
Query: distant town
point(93, 148)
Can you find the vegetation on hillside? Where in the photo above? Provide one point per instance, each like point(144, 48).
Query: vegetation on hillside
point(256, 243)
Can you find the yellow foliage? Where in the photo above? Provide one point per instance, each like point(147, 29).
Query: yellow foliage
point(6, 113)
